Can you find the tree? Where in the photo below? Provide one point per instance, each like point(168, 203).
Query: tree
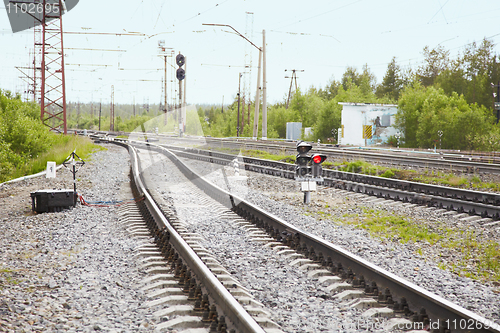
point(364, 79)
point(391, 83)
point(350, 77)
point(331, 90)
point(436, 61)
point(424, 111)
point(409, 107)
point(329, 119)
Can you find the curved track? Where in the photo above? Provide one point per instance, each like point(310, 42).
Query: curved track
point(400, 295)
point(173, 245)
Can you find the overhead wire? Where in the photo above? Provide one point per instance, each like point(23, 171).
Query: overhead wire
point(320, 14)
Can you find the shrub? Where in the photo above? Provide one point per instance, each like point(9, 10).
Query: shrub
point(388, 174)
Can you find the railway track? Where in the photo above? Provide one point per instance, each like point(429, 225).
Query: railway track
point(189, 291)
point(469, 163)
point(475, 203)
point(349, 276)
point(400, 158)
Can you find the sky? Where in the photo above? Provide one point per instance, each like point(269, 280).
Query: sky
point(318, 38)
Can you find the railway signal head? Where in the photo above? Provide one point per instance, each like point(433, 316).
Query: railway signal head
point(317, 169)
point(303, 147)
point(302, 160)
point(180, 60)
point(181, 74)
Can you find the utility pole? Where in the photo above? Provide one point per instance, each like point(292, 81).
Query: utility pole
point(293, 77)
point(262, 56)
point(48, 59)
point(100, 109)
point(184, 99)
point(165, 89)
point(264, 88)
point(53, 86)
point(179, 112)
point(112, 110)
point(243, 109)
point(257, 101)
point(78, 115)
point(163, 51)
point(238, 121)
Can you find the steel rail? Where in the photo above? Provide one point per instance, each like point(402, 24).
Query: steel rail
point(391, 159)
point(463, 201)
point(447, 161)
point(438, 308)
point(224, 300)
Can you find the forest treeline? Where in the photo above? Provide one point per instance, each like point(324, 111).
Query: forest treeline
point(452, 94)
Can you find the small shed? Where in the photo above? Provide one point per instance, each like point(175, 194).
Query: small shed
point(365, 124)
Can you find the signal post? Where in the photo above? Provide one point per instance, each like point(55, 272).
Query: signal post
point(181, 75)
point(308, 169)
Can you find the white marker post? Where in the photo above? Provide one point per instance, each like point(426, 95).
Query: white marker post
point(51, 170)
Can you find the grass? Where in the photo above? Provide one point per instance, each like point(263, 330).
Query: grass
point(396, 227)
point(61, 149)
point(363, 167)
point(477, 258)
point(480, 259)
point(268, 156)
point(449, 179)
point(6, 277)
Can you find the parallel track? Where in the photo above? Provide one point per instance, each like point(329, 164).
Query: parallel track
point(463, 201)
point(397, 291)
point(400, 158)
point(403, 158)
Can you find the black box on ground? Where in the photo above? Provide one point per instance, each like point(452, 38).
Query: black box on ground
point(52, 200)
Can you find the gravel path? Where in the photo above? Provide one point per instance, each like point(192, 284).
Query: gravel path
point(73, 270)
point(283, 198)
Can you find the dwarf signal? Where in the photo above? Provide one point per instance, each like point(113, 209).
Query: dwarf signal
point(307, 165)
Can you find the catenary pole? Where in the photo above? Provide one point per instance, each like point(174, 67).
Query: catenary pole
point(264, 88)
point(257, 100)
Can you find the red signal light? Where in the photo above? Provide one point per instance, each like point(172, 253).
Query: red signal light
point(318, 158)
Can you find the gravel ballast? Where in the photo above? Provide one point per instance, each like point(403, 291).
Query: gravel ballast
point(296, 302)
point(72, 270)
point(400, 259)
point(75, 270)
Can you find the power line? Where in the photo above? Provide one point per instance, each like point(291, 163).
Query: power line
point(327, 12)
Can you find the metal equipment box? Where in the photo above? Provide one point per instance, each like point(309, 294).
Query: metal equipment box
point(52, 200)
point(293, 131)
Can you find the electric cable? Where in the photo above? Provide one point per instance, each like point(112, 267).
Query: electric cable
point(107, 203)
